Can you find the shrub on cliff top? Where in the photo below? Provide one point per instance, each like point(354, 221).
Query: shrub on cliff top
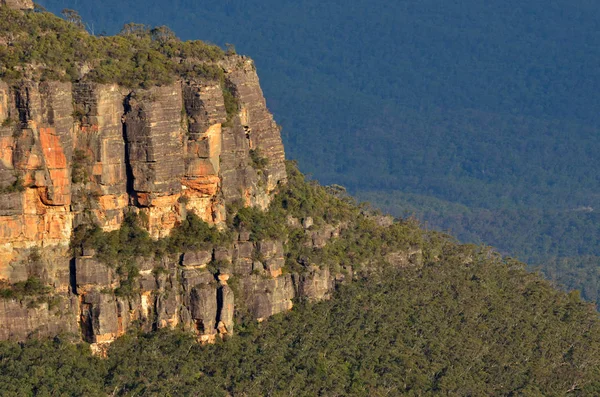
point(40, 45)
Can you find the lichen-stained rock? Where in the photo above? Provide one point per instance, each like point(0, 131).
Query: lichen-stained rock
point(21, 320)
point(196, 259)
point(155, 142)
point(243, 252)
point(98, 164)
point(100, 317)
point(265, 296)
point(316, 284)
point(155, 153)
point(91, 275)
point(262, 131)
point(98, 112)
point(167, 314)
point(11, 204)
point(191, 277)
point(271, 253)
point(203, 305)
point(253, 128)
point(226, 306)
point(204, 106)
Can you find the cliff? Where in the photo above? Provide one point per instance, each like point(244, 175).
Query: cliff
point(80, 154)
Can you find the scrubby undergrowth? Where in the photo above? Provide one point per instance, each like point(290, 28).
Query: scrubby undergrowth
point(466, 321)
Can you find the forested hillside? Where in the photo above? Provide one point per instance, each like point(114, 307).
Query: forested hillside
point(466, 323)
point(488, 105)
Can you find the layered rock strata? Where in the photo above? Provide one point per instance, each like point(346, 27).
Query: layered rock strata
point(83, 153)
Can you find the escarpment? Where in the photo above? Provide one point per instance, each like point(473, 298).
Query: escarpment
point(166, 205)
point(82, 153)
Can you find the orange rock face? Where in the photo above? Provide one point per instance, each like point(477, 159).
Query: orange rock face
point(82, 153)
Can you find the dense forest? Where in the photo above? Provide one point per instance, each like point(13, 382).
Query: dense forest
point(489, 105)
point(469, 323)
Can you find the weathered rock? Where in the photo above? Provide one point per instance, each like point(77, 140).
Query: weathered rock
point(272, 254)
point(265, 297)
point(192, 277)
point(21, 320)
point(90, 274)
point(222, 254)
point(196, 259)
point(316, 284)
point(99, 161)
point(321, 236)
point(243, 257)
point(100, 317)
point(204, 308)
point(404, 258)
point(226, 303)
point(167, 305)
point(253, 128)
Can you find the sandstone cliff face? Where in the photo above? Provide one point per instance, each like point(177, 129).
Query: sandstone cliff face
point(82, 153)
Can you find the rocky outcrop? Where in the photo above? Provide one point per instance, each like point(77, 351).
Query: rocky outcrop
point(254, 130)
point(83, 153)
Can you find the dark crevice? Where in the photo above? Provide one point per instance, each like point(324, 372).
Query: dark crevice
point(22, 104)
point(73, 275)
point(219, 305)
point(128, 168)
point(86, 323)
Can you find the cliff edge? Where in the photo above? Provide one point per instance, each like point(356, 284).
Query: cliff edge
point(79, 153)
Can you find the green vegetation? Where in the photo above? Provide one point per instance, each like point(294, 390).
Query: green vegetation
point(475, 326)
point(231, 104)
point(259, 162)
point(123, 248)
point(460, 319)
point(16, 186)
point(132, 241)
point(80, 162)
point(32, 287)
point(561, 244)
point(50, 367)
point(298, 199)
point(8, 122)
point(57, 49)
